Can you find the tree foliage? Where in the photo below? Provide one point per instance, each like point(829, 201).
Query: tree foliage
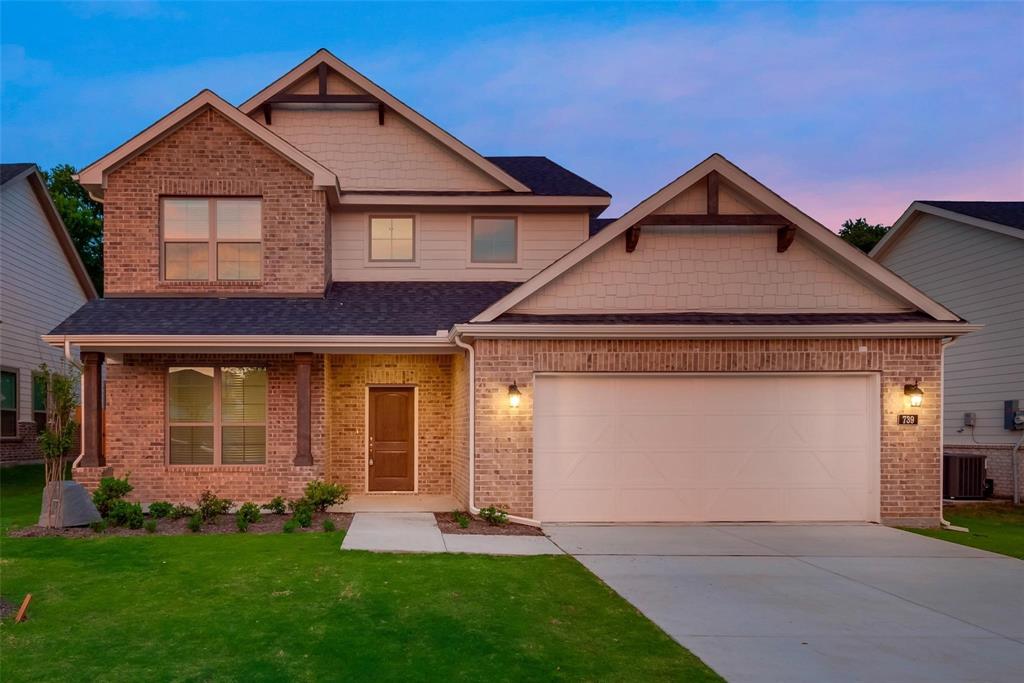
point(57, 438)
point(83, 217)
point(862, 234)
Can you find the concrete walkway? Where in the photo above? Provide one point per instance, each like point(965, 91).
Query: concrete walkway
point(817, 602)
point(417, 532)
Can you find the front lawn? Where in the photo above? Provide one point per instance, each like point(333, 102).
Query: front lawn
point(295, 607)
point(996, 527)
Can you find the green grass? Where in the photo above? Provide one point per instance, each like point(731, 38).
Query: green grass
point(21, 492)
point(996, 527)
point(295, 607)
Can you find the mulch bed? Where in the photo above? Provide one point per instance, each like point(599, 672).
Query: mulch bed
point(224, 524)
point(447, 524)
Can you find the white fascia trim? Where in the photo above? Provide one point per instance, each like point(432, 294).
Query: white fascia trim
point(905, 223)
point(371, 199)
point(245, 342)
point(847, 331)
point(810, 228)
point(404, 110)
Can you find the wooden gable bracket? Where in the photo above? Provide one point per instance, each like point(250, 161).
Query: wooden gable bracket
point(786, 234)
point(713, 193)
point(322, 97)
point(632, 238)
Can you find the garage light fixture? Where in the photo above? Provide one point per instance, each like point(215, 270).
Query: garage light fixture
point(514, 395)
point(914, 393)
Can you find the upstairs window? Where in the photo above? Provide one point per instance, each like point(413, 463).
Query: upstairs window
point(217, 415)
point(392, 238)
point(212, 239)
point(494, 240)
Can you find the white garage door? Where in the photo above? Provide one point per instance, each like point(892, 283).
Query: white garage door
point(678, 448)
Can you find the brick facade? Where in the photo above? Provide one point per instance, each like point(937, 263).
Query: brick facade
point(210, 156)
point(21, 448)
point(910, 459)
point(348, 379)
point(136, 410)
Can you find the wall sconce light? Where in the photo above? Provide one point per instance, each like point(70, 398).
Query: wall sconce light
point(514, 395)
point(914, 393)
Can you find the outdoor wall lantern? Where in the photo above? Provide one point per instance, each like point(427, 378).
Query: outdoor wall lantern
point(514, 395)
point(914, 393)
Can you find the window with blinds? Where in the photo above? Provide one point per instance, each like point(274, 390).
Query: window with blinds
point(212, 238)
point(217, 415)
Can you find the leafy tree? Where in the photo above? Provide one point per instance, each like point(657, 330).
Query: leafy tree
point(57, 437)
point(862, 234)
point(83, 217)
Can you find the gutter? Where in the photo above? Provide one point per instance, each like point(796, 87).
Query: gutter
point(152, 342)
point(457, 339)
point(635, 331)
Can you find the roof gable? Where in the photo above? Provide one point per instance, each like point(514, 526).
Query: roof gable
point(1006, 218)
point(803, 227)
point(299, 78)
point(94, 176)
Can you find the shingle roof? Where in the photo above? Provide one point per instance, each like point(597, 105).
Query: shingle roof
point(545, 177)
point(1010, 214)
point(350, 308)
point(599, 224)
point(700, 318)
point(8, 171)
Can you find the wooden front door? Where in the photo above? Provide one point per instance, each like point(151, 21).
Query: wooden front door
point(392, 434)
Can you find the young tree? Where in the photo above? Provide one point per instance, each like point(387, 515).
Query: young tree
point(862, 234)
point(83, 217)
point(58, 437)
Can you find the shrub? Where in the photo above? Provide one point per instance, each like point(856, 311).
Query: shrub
point(210, 506)
point(160, 509)
point(461, 517)
point(180, 511)
point(150, 526)
point(123, 513)
point(277, 506)
point(329, 526)
point(242, 523)
point(250, 512)
point(290, 526)
point(98, 526)
point(195, 522)
point(322, 495)
point(110, 489)
point(494, 516)
point(302, 512)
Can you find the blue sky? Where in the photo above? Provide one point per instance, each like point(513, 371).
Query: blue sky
point(844, 109)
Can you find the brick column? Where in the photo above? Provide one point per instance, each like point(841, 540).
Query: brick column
point(92, 409)
point(303, 367)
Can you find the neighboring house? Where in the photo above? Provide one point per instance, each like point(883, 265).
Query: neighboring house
point(970, 256)
point(323, 283)
point(42, 282)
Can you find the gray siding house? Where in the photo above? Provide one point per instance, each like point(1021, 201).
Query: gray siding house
point(970, 257)
point(42, 281)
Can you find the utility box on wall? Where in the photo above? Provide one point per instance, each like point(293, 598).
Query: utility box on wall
point(1013, 416)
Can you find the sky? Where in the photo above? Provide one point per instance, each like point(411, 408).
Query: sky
point(844, 109)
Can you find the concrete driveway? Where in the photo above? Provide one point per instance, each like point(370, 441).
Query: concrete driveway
point(817, 602)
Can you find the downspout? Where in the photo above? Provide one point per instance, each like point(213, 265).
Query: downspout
point(457, 339)
point(947, 342)
point(81, 398)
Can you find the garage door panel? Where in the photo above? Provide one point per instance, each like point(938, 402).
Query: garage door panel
point(706, 448)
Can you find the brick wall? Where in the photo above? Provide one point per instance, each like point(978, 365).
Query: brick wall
point(209, 155)
point(998, 466)
point(348, 378)
point(136, 439)
point(21, 448)
point(910, 460)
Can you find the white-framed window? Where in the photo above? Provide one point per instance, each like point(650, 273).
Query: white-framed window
point(217, 415)
point(494, 239)
point(392, 238)
point(211, 238)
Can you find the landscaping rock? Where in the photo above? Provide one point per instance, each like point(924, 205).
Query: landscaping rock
point(75, 509)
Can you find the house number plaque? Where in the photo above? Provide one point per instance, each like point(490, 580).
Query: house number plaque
point(907, 420)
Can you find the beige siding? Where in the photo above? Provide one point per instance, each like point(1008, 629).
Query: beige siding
point(443, 248)
point(979, 274)
point(368, 156)
point(708, 269)
point(38, 288)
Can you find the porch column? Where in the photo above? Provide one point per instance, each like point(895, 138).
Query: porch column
point(303, 369)
point(92, 409)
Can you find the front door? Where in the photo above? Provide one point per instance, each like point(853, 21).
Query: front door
point(391, 439)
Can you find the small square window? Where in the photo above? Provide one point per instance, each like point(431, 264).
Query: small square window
point(494, 240)
point(392, 239)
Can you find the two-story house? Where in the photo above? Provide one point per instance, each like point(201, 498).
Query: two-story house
point(42, 281)
point(324, 283)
